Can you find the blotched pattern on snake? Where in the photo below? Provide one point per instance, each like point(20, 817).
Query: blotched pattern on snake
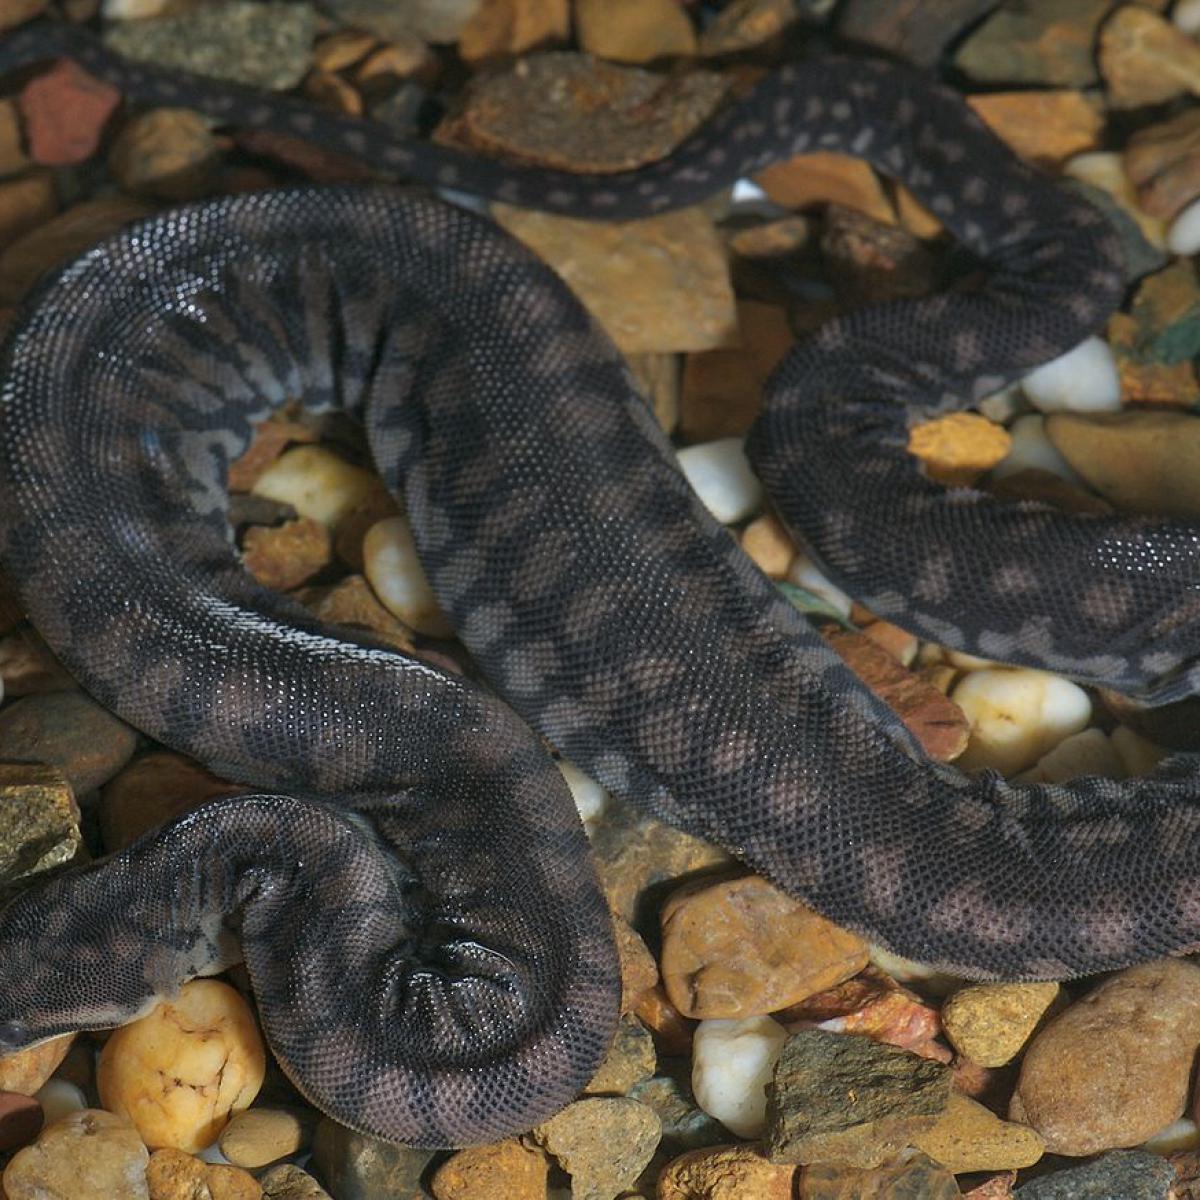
point(424, 932)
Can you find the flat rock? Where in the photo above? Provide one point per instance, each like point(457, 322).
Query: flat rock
point(1129, 1174)
point(1145, 59)
point(916, 1178)
point(65, 111)
point(849, 1100)
point(970, 1137)
point(1163, 162)
point(629, 1060)
point(904, 28)
point(39, 820)
point(826, 178)
point(1046, 127)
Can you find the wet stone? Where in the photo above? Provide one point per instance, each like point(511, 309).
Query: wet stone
point(174, 1175)
point(1166, 313)
point(633, 31)
point(167, 153)
point(845, 1099)
point(288, 1182)
point(433, 20)
point(27, 1071)
point(904, 28)
point(509, 1169)
point(685, 1125)
point(20, 1120)
point(630, 1059)
point(826, 178)
point(916, 1178)
point(726, 1173)
point(970, 1137)
point(742, 24)
point(1129, 1174)
point(576, 113)
point(355, 1166)
point(1145, 59)
point(38, 820)
point(989, 1023)
point(65, 111)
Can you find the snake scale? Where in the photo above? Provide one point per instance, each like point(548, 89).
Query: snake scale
point(412, 891)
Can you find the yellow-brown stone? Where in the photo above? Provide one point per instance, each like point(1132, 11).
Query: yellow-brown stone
point(635, 31)
point(505, 28)
point(27, 1070)
point(742, 948)
point(510, 1169)
point(1044, 127)
point(958, 447)
point(989, 1023)
point(726, 1173)
point(825, 178)
point(970, 1137)
point(167, 153)
point(769, 544)
point(285, 556)
point(40, 828)
point(1145, 59)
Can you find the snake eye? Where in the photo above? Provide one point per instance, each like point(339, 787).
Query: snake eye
point(13, 1033)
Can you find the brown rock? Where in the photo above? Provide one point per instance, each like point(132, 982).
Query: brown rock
point(1142, 461)
point(25, 204)
point(629, 1060)
point(656, 284)
point(742, 948)
point(672, 1032)
point(507, 28)
point(356, 1165)
point(27, 1070)
point(899, 643)
point(989, 1023)
point(342, 49)
point(153, 789)
point(174, 1175)
point(65, 110)
point(398, 61)
point(908, 29)
point(742, 24)
point(13, 158)
point(27, 666)
point(319, 163)
point(726, 1173)
point(1145, 59)
point(509, 1169)
point(937, 722)
point(333, 92)
point(969, 1137)
point(602, 1143)
point(722, 389)
point(998, 1187)
point(811, 179)
point(285, 556)
point(1044, 127)
point(916, 1178)
point(769, 544)
point(39, 820)
point(657, 378)
point(260, 1136)
point(869, 261)
point(352, 603)
point(958, 447)
point(166, 153)
point(1163, 161)
point(20, 1120)
point(576, 113)
point(288, 1182)
point(1035, 484)
point(1114, 1067)
point(633, 31)
point(770, 239)
point(87, 1155)
point(639, 971)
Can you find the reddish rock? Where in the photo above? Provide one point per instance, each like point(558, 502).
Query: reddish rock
point(65, 111)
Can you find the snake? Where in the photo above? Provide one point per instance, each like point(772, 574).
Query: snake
point(409, 886)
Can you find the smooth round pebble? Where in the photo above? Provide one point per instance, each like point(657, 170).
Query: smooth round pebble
point(1186, 15)
point(181, 1071)
point(590, 798)
point(720, 475)
point(317, 483)
point(1183, 234)
point(1017, 716)
point(59, 1098)
point(261, 1136)
point(394, 571)
point(1084, 379)
point(1032, 449)
point(805, 573)
point(732, 1062)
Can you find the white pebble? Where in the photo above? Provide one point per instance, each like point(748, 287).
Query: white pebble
point(1186, 15)
point(907, 970)
point(1084, 379)
point(132, 10)
point(720, 475)
point(394, 571)
point(1181, 1134)
point(1183, 236)
point(1086, 753)
point(732, 1062)
point(58, 1097)
point(317, 483)
point(1017, 716)
point(1032, 448)
point(1138, 755)
point(805, 573)
point(590, 798)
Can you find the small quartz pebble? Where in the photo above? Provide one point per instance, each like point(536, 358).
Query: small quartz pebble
point(1017, 716)
point(1114, 1067)
point(1084, 379)
point(317, 483)
point(1032, 450)
point(732, 1062)
point(970, 1137)
point(60, 1097)
point(726, 1173)
point(1183, 234)
point(590, 798)
point(258, 1136)
point(181, 1071)
point(88, 1155)
point(720, 474)
point(990, 1022)
point(395, 573)
point(742, 948)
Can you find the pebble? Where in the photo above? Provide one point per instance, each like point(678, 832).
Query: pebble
point(732, 1062)
point(27, 666)
point(507, 1169)
point(743, 24)
point(173, 1175)
point(769, 545)
point(808, 180)
point(916, 1178)
point(21, 1120)
point(1088, 752)
point(590, 798)
point(1166, 314)
point(1186, 15)
point(506, 28)
point(1143, 461)
point(1163, 161)
point(1183, 234)
point(439, 21)
point(633, 31)
point(288, 1182)
point(39, 820)
point(958, 447)
point(970, 1137)
point(726, 1173)
point(868, 260)
point(64, 112)
point(1119, 1175)
point(742, 948)
point(260, 1136)
point(804, 573)
point(1046, 127)
point(672, 1032)
point(1145, 59)
point(657, 284)
point(639, 971)
point(394, 571)
point(26, 1071)
point(685, 1126)
point(59, 1097)
point(1114, 1067)
point(88, 1155)
point(1138, 756)
point(355, 1166)
point(179, 1073)
point(720, 475)
point(1032, 450)
point(318, 484)
point(1084, 379)
point(630, 1059)
point(603, 1143)
point(1017, 715)
point(1144, 377)
point(989, 1023)
point(25, 204)
point(285, 556)
point(352, 603)
point(167, 153)
point(844, 1099)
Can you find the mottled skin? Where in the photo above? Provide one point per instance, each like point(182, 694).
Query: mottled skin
point(423, 928)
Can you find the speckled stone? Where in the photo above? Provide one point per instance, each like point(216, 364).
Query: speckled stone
point(355, 1166)
point(88, 1155)
point(1123, 1174)
point(990, 1022)
point(629, 1060)
point(38, 820)
point(288, 1182)
point(508, 1169)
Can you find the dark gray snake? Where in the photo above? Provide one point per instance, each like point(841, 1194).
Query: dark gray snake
point(422, 926)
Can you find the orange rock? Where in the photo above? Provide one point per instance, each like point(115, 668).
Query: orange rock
point(342, 49)
point(408, 59)
point(351, 602)
point(509, 1169)
point(639, 972)
point(270, 440)
point(769, 544)
point(957, 448)
point(27, 1070)
point(671, 1030)
point(634, 31)
point(742, 948)
point(171, 1174)
point(65, 111)
point(823, 178)
point(899, 643)
point(726, 1173)
point(287, 555)
point(1044, 127)
point(914, 216)
point(506, 28)
point(333, 92)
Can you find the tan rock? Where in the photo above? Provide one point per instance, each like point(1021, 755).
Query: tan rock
point(913, 215)
point(742, 948)
point(317, 483)
point(352, 603)
point(1141, 461)
point(28, 666)
point(174, 1175)
point(342, 49)
point(726, 1173)
point(969, 1137)
point(270, 440)
point(1044, 127)
point(285, 556)
point(27, 1070)
point(509, 1169)
point(958, 447)
point(39, 820)
point(288, 1182)
point(1145, 59)
point(179, 1073)
point(1115, 1066)
point(504, 28)
point(25, 204)
point(656, 284)
point(769, 544)
point(400, 58)
point(657, 378)
point(1163, 161)
point(722, 389)
point(634, 31)
point(823, 178)
point(88, 1155)
point(166, 153)
point(639, 971)
point(989, 1023)
point(775, 238)
point(742, 24)
point(672, 1031)
point(261, 1135)
point(629, 1060)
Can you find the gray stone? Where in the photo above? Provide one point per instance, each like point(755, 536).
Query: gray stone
point(1128, 1174)
point(354, 1166)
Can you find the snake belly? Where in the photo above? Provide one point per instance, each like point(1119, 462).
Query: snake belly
point(412, 892)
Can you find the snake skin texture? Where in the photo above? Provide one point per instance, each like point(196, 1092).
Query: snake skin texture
point(423, 929)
